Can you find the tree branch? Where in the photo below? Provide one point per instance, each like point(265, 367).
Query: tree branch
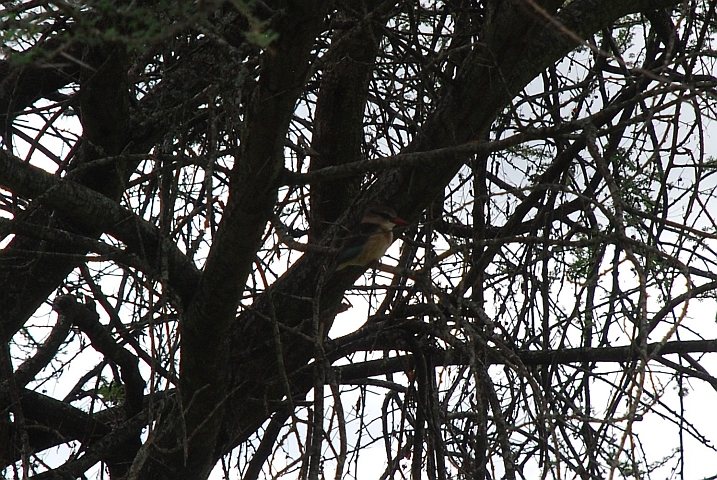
point(349, 374)
point(93, 210)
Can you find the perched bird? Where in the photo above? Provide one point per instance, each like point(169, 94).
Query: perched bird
point(371, 238)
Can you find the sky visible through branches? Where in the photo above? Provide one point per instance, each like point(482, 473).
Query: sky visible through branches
point(548, 312)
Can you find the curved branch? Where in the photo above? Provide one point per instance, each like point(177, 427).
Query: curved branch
point(90, 209)
point(26, 372)
point(88, 322)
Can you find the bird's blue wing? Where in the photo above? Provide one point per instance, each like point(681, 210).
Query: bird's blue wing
point(348, 253)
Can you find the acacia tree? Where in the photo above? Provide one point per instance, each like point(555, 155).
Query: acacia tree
point(177, 177)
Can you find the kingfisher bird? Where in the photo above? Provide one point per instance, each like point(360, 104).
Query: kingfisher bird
point(371, 238)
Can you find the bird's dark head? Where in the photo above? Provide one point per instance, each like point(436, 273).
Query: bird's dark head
point(383, 215)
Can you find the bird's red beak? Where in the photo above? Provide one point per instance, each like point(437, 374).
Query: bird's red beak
point(399, 221)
